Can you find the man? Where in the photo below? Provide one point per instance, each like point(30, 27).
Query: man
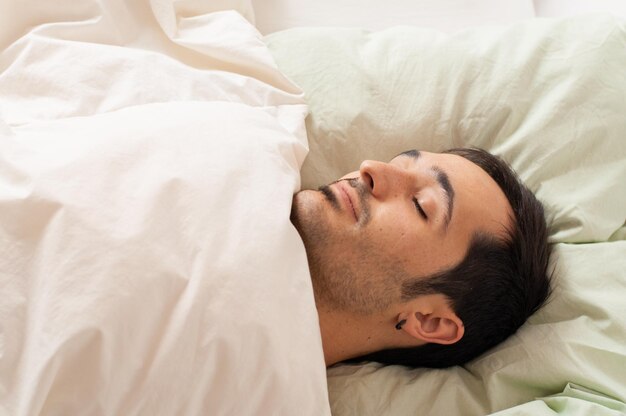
point(428, 260)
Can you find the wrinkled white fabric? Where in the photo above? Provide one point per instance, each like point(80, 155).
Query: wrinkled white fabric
point(149, 152)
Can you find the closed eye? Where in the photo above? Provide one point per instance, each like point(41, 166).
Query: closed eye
point(419, 208)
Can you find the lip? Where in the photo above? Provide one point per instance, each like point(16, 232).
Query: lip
point(344, 193)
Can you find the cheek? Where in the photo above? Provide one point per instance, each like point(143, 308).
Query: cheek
point(394, 240)
point(412, 247)
point(397, 227)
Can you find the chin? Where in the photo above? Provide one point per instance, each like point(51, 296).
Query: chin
point(306, 212)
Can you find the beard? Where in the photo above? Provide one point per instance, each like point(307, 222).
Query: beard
point(349, 272)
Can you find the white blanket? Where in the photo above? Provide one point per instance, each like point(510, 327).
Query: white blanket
point(148, 155)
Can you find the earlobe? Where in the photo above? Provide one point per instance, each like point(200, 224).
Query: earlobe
point(433, 328)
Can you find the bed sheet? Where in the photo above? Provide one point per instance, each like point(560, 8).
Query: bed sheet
point(445, 15)
point(149, 152)
point(448, 16)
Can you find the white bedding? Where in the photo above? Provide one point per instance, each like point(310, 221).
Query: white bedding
point(149, 152)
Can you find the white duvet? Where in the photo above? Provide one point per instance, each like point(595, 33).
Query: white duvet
point(149, 152)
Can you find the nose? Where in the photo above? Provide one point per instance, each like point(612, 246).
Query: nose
point(383, 179)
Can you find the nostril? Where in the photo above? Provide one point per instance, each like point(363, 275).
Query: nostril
point(366, 170)
point(368, 180)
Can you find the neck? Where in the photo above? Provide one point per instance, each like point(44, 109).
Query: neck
point(346, 336)
point(342, 336)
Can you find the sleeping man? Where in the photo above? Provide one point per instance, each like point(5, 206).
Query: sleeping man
point(428, 260)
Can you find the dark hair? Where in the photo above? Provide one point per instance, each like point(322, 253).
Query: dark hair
point(498, 284)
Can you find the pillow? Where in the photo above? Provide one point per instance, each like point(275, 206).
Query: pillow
point(574, 400)
point(149, 153)
point(546, 95)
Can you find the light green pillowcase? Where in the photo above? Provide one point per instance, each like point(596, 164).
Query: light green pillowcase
point(549, 96)
point(573, 401)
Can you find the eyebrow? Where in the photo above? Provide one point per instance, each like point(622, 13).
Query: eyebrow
point(442, 179)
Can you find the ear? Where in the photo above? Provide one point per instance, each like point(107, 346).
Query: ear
point(440, 326)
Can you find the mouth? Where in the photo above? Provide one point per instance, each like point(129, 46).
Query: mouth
point(347, 200)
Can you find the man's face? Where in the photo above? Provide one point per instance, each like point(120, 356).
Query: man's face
point(376, 227)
